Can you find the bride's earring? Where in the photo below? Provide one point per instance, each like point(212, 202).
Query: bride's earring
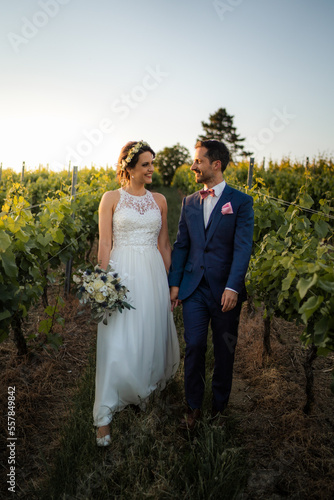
point(132, 176)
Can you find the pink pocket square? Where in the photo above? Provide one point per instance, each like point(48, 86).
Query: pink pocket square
point(227, 208)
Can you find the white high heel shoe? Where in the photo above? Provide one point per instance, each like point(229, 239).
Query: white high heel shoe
point(103, 441)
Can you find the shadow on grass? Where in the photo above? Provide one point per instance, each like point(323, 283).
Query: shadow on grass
point(148, 458)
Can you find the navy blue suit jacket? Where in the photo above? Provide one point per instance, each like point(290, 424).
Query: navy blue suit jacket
point(221, 251)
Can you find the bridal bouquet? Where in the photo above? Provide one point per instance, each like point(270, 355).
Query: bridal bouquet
point(103, 290)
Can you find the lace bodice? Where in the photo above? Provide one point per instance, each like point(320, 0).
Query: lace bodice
point(136, 221)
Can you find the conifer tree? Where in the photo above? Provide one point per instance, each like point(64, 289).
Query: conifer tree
point(221, 128)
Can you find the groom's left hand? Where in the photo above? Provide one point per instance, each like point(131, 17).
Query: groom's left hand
point(174, 293)
point(229, 300)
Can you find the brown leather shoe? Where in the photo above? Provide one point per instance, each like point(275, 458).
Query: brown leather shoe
point(188, 423)
point(217, 419)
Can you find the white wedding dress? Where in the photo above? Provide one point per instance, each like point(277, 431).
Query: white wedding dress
point(138, 351)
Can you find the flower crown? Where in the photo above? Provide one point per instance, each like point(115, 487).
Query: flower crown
point(131, 154)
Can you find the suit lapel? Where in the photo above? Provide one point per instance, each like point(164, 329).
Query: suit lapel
point(216, 215)
point(198, 206)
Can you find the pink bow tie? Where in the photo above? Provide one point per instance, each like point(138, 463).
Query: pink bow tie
point(206, 192)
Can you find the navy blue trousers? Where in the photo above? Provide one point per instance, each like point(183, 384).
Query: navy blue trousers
point(198, 310)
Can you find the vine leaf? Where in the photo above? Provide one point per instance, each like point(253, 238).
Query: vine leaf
point(304, 284)
point(309, 307)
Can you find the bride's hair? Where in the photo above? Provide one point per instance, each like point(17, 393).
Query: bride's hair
point(125, 165)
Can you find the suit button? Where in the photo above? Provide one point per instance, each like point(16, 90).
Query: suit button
point(206, 250)
point(202, 267)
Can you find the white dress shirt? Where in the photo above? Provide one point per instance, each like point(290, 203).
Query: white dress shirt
point(209, 204)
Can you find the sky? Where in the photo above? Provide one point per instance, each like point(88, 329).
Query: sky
point(80, 78)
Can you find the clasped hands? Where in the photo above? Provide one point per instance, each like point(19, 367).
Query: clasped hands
point(174, 293)
point(228, 301)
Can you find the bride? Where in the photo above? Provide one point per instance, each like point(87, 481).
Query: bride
point(138, 351)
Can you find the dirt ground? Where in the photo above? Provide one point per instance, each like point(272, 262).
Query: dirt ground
point(290, 453)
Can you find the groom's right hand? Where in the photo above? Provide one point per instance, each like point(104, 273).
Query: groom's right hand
point(174, 293)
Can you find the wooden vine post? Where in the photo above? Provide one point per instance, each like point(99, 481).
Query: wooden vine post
point(69, 262)
point(250, 172)
point(266, 337)
point(250, 305)
point(22, 172)
point(311, 355)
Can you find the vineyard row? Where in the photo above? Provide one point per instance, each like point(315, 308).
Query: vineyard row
point(291, 270)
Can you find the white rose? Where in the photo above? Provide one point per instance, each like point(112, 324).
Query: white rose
point(97, 284)
point(99, 297)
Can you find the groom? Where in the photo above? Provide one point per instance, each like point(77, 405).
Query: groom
point(209, 263)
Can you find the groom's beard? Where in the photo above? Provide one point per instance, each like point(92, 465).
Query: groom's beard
point(199, 177)
point(197, 174)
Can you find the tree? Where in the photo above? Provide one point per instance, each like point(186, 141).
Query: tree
point(221, 128)
point(169, 159)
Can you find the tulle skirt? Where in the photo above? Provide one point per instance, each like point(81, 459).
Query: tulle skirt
point(138, 351)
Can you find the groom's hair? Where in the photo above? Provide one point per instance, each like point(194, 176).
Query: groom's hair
point(216, 151)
